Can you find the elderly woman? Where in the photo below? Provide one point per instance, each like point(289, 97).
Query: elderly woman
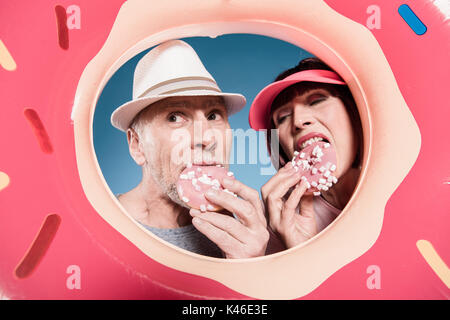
point(316, 119)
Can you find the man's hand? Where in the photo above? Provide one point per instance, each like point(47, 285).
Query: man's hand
point(244, 237)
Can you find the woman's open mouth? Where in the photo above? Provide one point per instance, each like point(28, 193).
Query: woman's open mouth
point(309, 139)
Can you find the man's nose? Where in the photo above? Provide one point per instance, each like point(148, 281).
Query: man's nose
point(202, 139)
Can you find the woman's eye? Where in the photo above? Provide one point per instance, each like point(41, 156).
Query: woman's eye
point(282, 117)
point(317, 99)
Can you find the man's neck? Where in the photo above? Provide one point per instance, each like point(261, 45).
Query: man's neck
point(149, 205)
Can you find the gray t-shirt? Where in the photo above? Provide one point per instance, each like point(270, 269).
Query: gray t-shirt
point(188, 238)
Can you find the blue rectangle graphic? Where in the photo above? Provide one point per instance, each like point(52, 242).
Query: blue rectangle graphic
point(412, 20)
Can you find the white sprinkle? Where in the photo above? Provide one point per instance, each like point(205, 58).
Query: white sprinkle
point(210, 207)
point(194, 181)
point(180, 190)
point(326, 145)
point(199, 169)
point(325, 188)
point(330, 179)
point(335, 180)
point(322, 169)
point(308, 185)
point(185, 199)
point(314, 184)
point(316, 150)
point(317, 193)
point(229, 173)
point(302, 155)
point(333, 167)
point(295, 153)
point(319, 187)
point(329, 184)
point(327, 174)
point(314, 170)
point(304, 178)
point(322, 181)
point(183, 176)
point(191, 174)
point(202, 208)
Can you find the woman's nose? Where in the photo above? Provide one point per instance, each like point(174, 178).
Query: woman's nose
point(302, 118)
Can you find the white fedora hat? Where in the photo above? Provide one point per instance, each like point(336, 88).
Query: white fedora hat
point(171, 69)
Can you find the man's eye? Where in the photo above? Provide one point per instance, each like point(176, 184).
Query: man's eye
point(214, 116)
point(174, 117)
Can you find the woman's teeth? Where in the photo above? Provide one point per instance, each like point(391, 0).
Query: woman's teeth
point(310, 141)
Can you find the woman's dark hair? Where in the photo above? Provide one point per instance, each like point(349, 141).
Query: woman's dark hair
point(338, 91)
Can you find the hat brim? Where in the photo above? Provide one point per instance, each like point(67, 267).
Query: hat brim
point(260, 108)
point(122, 117)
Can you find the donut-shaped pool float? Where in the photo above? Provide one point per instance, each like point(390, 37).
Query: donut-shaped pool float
point(64, 234)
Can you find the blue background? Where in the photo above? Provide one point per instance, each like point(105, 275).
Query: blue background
point(240, 63)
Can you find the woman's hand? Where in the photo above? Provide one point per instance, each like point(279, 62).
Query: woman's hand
point(282, 194)
point(244, 237)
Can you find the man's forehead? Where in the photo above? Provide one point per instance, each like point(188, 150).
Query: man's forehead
point(187, 103)
point(192, 101)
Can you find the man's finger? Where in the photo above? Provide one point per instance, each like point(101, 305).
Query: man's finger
point(246, 193)
point(222, 239)
point(226, 223)
point(245, 211)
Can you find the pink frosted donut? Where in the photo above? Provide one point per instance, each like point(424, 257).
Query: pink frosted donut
point(195, 180)
point(317, 160)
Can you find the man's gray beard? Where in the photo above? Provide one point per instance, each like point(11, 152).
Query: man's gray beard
point(172, 193)
point(168, 188)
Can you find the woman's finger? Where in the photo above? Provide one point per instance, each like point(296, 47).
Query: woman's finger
point(281, 189)
point(282, 174)
point(307, 207)
point(291, 204)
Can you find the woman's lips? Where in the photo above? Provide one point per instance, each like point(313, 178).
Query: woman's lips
point(309, 139)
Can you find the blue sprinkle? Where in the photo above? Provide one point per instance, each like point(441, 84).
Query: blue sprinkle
point(412, 20)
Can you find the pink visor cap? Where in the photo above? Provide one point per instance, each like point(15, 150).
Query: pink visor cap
point(260, 109)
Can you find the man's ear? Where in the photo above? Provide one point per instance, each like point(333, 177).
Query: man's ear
point(135, 147)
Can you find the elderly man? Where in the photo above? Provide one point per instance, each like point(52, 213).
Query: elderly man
point(178, 107)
